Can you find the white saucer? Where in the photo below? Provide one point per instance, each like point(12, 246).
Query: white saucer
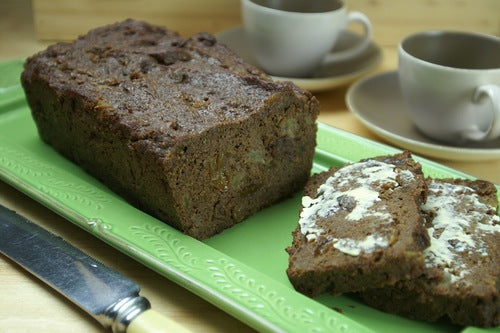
point(377, 102)
point(330, 75)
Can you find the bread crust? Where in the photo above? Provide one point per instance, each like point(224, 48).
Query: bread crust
point(180, 127)
point(382, 245)
point(462, 264)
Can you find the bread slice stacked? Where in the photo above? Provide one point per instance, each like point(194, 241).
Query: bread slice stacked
point(420, 247)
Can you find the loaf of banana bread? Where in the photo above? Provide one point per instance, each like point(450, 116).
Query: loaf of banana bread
point(462, 275)
point(360, 226)
point(181, 127)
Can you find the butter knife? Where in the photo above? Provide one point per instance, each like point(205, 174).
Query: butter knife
point(108, 296)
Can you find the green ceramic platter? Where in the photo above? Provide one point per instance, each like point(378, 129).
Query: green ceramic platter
point(241, 271)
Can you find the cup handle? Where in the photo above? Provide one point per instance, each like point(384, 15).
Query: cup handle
point(361, 46)
point(492, 92)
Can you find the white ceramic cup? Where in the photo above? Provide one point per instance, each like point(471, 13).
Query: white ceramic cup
point(293, 38)
point(451, 83)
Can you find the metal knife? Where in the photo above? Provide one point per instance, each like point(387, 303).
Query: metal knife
point(109, 297)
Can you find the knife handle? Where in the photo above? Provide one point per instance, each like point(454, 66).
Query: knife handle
point(151, 321)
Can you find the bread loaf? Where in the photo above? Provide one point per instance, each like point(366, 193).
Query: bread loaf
point(181, 127)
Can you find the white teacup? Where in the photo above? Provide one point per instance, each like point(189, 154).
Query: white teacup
point(451, 82)
point(292, 38)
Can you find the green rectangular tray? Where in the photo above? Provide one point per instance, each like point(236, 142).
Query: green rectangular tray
point(241, 270)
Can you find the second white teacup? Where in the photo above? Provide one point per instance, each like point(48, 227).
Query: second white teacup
point(292, 38)
point(451, 82)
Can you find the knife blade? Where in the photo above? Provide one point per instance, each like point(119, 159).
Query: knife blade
point(108, 296)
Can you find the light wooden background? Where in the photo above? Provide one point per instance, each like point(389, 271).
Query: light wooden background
point(66, 19)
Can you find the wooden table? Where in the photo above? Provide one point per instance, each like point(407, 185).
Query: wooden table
point(27, 305)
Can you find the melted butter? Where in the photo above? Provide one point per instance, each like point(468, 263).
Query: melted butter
point(354, 247)
point(460, 221)
point(365, 197)
point(360, 183)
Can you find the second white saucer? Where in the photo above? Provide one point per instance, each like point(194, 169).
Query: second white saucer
point(328, 76)
point(377, 102)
